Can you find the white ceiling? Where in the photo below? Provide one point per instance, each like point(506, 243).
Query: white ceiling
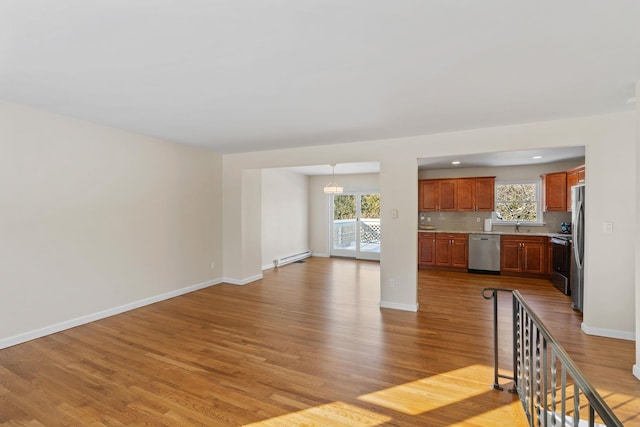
point(340, 169)
point(504, 158)
point(245, 75)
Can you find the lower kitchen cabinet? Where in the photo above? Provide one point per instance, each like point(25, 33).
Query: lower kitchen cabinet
point(523, 254)
point(452, 250)
point(443, 250)
point(426, 249)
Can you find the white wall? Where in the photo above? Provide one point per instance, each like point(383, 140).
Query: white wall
point(285, 214)
point(319, 206)
point(93, 218)
point(636, 367)
point(610, 156)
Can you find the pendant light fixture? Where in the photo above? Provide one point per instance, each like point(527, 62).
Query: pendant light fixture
point(332, 187)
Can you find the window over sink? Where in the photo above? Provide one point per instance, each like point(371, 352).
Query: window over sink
point(518, 202)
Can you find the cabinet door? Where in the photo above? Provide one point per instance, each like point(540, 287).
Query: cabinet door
point(460, 253)
point(428, 195)
point(448, 196)
point(510, 255)
point(555, 192)
point(426, 248)
point(533, 259)
point(466, 189)
point(485, 194)
point(572, 179)
point(443, 251)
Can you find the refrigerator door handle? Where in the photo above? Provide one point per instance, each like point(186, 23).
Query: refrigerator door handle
point(579, 234)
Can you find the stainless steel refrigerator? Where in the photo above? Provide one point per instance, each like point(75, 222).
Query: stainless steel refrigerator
point(577, 242)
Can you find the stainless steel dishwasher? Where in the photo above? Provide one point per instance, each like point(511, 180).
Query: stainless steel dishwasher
point(484, 253)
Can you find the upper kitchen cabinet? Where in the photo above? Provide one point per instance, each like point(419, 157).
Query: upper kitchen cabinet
point(574, 176)
point(476, 194)
point(437, 195)
point(554, 188)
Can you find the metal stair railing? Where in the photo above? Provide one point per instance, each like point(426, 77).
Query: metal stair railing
point(552, 389)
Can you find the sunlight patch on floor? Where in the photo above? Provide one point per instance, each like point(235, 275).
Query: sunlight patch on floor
point(511, 415)
point(331, 414)
point(434, 392)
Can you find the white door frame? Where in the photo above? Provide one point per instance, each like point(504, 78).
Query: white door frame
point(355, 252)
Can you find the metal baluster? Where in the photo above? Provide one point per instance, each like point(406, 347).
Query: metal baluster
point(516, 341)
point(532, 402)
point(538, 377)
point(564, 395)
point(496, 385)
point(545, 381)
point(554, 384)
point(576, 404)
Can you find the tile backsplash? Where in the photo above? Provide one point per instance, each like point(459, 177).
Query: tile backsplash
point(467, 221)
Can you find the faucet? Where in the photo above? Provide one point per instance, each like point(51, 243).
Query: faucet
point(518, 224)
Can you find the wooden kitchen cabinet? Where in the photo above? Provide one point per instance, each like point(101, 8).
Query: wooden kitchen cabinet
point(426, 249)
point(437, 195)
point(476, 194)
point(523, 255)
point(574, 176)
point(447, 251)
point(452, 250)
point(555, 192)
point(428, 195)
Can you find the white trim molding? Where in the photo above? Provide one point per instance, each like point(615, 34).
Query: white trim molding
point(242, 282)
point(398, 306)
point(608, 333)
point(82, 320)
point(636, 371)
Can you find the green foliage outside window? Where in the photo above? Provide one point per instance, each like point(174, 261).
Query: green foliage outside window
point(517, 202)
point(344, 206)
point(370, 206)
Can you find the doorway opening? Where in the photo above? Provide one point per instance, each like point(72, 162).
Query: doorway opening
point(355, 225)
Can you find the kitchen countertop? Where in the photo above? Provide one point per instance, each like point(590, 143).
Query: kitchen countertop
point(520, 233)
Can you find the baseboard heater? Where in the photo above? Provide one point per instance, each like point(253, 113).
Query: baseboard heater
point(279, 262)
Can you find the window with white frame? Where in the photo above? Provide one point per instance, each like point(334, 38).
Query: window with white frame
point(518, 202)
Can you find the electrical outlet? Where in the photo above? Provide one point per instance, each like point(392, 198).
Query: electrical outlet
point(392, 283)
point(478, 219)
point(428, 219)
point(213, 265)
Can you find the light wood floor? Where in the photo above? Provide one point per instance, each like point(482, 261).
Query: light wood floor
point(308, 345)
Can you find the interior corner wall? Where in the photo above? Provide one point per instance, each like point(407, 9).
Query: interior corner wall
point(94, 218)
point(285, 214)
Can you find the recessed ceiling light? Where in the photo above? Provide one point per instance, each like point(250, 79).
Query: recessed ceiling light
point(536, 157)
point(631, 100)
point(455, 162)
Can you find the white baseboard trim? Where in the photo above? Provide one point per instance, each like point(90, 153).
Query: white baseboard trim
point(320, 255)
point(268, 266)
point(72, 323)
point(636, 371)
point(608, 333)
point(398, 306)
point(242, 282)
